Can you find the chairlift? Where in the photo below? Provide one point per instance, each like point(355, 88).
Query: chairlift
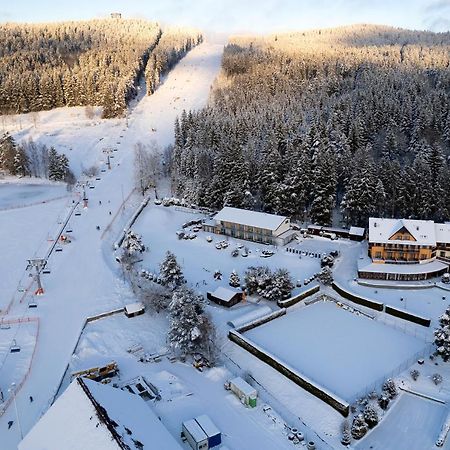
point(32, 304)
point(98, 179)
point(46, 269)
point(4, 326)
point(14, 347)
point(103, 170)
point(78, 213)
point(91, 187)
point(58, 249)
point(20, 288)
point(69, 229)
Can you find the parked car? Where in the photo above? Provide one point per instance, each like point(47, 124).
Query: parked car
point(446, 278)
point(157, 201)
point(209, 238)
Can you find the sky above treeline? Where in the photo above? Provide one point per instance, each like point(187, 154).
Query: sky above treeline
point(261, 16)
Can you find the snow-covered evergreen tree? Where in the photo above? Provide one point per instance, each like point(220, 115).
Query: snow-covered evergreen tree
point(346, 437)
point(170, 271)
point(325, 276)
point(234, 281)
point(132, 243)
point(442, 336)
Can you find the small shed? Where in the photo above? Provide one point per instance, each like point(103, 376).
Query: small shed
point(213, 433)
point(196, 437)
point(357, 233)
point(134, 309)
point(246, 393)
point(225, 297)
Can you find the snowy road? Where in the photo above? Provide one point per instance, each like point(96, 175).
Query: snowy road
point(81, 283)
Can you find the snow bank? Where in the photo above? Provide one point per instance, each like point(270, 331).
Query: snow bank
point(249, 317)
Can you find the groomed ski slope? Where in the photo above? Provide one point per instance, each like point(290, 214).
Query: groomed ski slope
point(82, 282)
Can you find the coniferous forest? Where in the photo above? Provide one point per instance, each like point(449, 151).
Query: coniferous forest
point(97, 62)
point(354, 119)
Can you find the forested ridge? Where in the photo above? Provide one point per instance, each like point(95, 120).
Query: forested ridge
point(97, 62)
point(356, 118)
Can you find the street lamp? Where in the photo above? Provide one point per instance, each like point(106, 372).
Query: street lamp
point(12, 391)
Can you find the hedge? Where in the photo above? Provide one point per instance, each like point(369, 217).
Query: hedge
point(294, 300)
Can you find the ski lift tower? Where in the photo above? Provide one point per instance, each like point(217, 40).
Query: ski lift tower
point(107, 152)
point(38, 264)
point(85, 199)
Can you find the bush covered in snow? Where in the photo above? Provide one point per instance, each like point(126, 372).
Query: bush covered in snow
point(171, 274)
point(414, 374)
point(359, 427)
point(442, 336)
point(370, 415)
point(346, 437)
point(389, 388)
point(325, 276)
point(272, 286)
point(437, 378)
point(383, 401)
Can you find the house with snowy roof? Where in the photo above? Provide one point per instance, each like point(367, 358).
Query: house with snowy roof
point(407, 250)
point(93, 416)
point(251, 225)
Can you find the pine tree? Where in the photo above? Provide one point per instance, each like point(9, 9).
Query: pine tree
point(235, 281)
point(21, 167)
point(442, 336)
point(170, 271)
point(324, 187)
point(346, 438)
point(389, 388)
point(133, 243)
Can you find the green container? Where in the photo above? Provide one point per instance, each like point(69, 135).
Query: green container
point(252, 402)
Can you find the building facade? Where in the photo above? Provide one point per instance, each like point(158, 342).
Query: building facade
point(251, 225)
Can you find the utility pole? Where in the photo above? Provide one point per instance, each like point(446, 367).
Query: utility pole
point(38, 264)
point(107, 152)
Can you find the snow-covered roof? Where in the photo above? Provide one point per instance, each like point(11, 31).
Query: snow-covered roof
point(381, 230)
point(357, 231)
point(430, 267)
point(442, 232)
point(207, 425)
point(249, 218)
point(195, 431)
point(254, 314)
point(134, 307)
point(92, 416)
point(243, 386)
point(224, 294)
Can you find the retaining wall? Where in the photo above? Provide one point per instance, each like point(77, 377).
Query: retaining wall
point(407, 316)
point(357, 299)
point(294, 300)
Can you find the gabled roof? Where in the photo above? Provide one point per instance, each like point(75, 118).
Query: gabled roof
point(250, 218)
point(224, 294)
point(382, 230)
point(92, 416)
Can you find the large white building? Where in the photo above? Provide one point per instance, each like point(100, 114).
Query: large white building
point(251, 225)
point(92, 416)
point(406, 250)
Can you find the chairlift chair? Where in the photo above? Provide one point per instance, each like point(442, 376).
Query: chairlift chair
point(14, 347)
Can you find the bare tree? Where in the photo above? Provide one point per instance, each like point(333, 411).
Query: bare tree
point(147, 166)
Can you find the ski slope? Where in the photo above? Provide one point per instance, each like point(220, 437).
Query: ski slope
point(83, 279)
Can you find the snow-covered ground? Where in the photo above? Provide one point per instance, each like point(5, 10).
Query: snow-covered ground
point(413, 423)
point(84, 278)
point(185, 392)
point(360, 352)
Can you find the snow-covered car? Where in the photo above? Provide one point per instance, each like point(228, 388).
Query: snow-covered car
point(180, 234)
point(192, 236)
point(446, 278)
point(244, 253)
point(224, 244)
point(240, 246)
point(157, 201)
point(166, 202)
point(219, 246)
point(209, 238)
point(196, 229)
point(267, 253)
